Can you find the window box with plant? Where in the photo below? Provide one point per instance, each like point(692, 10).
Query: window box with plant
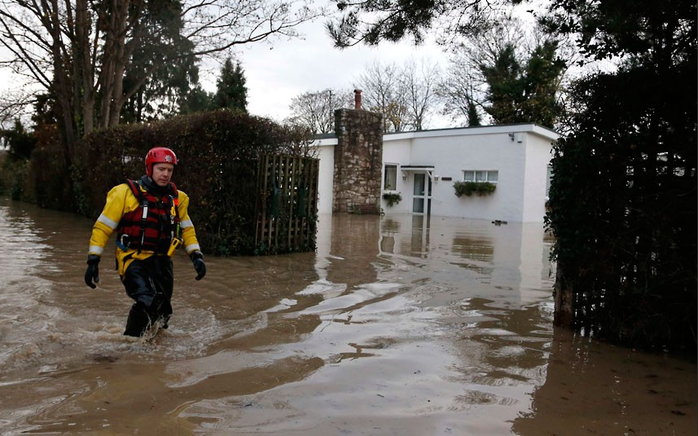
point(474, 188)
point(392, 198)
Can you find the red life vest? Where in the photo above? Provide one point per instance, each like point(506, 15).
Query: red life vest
point(153, 224)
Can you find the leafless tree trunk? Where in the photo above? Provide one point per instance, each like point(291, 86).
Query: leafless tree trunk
point(405, 96)
point(381, 93)
point(80, 50)
point(419, 81)
point(464, 84)
point(61, 81)
point(83, 66)
point(315, 110)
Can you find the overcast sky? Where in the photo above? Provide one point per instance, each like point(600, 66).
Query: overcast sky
point(277, 73)
point(282, 68)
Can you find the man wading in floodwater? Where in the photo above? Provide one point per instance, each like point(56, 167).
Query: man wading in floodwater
point(151, 219)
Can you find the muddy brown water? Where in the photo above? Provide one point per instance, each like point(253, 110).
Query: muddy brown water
point(396, 325)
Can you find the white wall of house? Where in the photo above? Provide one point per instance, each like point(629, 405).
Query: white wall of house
point(326, 176)
point(519, 153)
point(538, 155)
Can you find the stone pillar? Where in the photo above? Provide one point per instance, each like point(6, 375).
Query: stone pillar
point(358, 161)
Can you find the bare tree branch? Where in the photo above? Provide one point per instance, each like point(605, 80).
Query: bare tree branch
point(14, 105)
point(80, 51)
point(404, 95)
point(315, 110)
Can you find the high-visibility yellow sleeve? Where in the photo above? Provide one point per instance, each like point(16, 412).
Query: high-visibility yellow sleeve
point(120, 200)
point(188, 231)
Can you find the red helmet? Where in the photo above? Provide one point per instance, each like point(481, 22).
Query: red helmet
point(159, 155)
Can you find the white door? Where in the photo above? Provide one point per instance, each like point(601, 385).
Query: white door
point(421, 194)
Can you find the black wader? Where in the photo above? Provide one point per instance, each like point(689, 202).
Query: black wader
point(149, 283)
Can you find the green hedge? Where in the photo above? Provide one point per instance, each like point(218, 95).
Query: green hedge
point(623, 212)
point(478, 188)
point(217, 154)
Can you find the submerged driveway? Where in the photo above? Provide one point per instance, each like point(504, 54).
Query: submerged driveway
point(395, 325)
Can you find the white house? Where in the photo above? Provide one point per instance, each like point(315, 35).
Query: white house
point(423, 167)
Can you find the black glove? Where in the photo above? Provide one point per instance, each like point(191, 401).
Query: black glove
point(198, 259)
point(92, 273)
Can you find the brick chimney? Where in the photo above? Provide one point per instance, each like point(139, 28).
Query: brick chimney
point(357, 99)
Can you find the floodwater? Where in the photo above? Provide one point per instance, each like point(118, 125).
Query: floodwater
point(395, 326)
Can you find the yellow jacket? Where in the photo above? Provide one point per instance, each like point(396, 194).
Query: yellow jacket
point(120, 201)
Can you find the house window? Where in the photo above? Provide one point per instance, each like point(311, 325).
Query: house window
point(480, 176)
point(390, 178)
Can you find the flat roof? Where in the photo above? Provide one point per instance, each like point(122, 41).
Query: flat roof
point(331, 138)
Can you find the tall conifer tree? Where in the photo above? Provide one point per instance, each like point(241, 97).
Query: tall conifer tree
point(231, 91)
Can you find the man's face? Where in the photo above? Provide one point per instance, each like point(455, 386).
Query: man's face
point(162, 173)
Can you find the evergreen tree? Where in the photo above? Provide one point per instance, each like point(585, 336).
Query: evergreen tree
point(164, 85)
point(196, 100)
point(541, 85)
point(510, 73)
point(95, 56)
point(524, 92)
point(473, 115)
point(505, 91)
point(19, 141)
point(623, 197)
point(231, 91)
point(372, 21)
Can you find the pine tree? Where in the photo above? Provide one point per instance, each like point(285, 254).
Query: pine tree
point(231, 91)
point(524, 91)
point(505, 92)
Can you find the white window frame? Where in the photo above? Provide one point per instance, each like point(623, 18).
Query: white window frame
point(489, 176)
point(385, 177)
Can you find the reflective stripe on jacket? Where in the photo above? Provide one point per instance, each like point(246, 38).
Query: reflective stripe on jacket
point(153, 224)
point(121, 201)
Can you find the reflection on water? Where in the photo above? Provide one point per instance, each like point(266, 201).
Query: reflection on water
point(396, 325)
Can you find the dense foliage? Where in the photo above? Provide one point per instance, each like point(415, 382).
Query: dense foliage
point(158, 88)
point(105, 62)
point(217, 154)
point(468, 189)
point(623, 196)
point(372, 21)
point(19, 141)
point(510, 72)
point(231, 91)
point(392, 198)
point(524, 92)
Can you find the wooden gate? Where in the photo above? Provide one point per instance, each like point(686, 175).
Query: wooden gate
point(287, 190)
